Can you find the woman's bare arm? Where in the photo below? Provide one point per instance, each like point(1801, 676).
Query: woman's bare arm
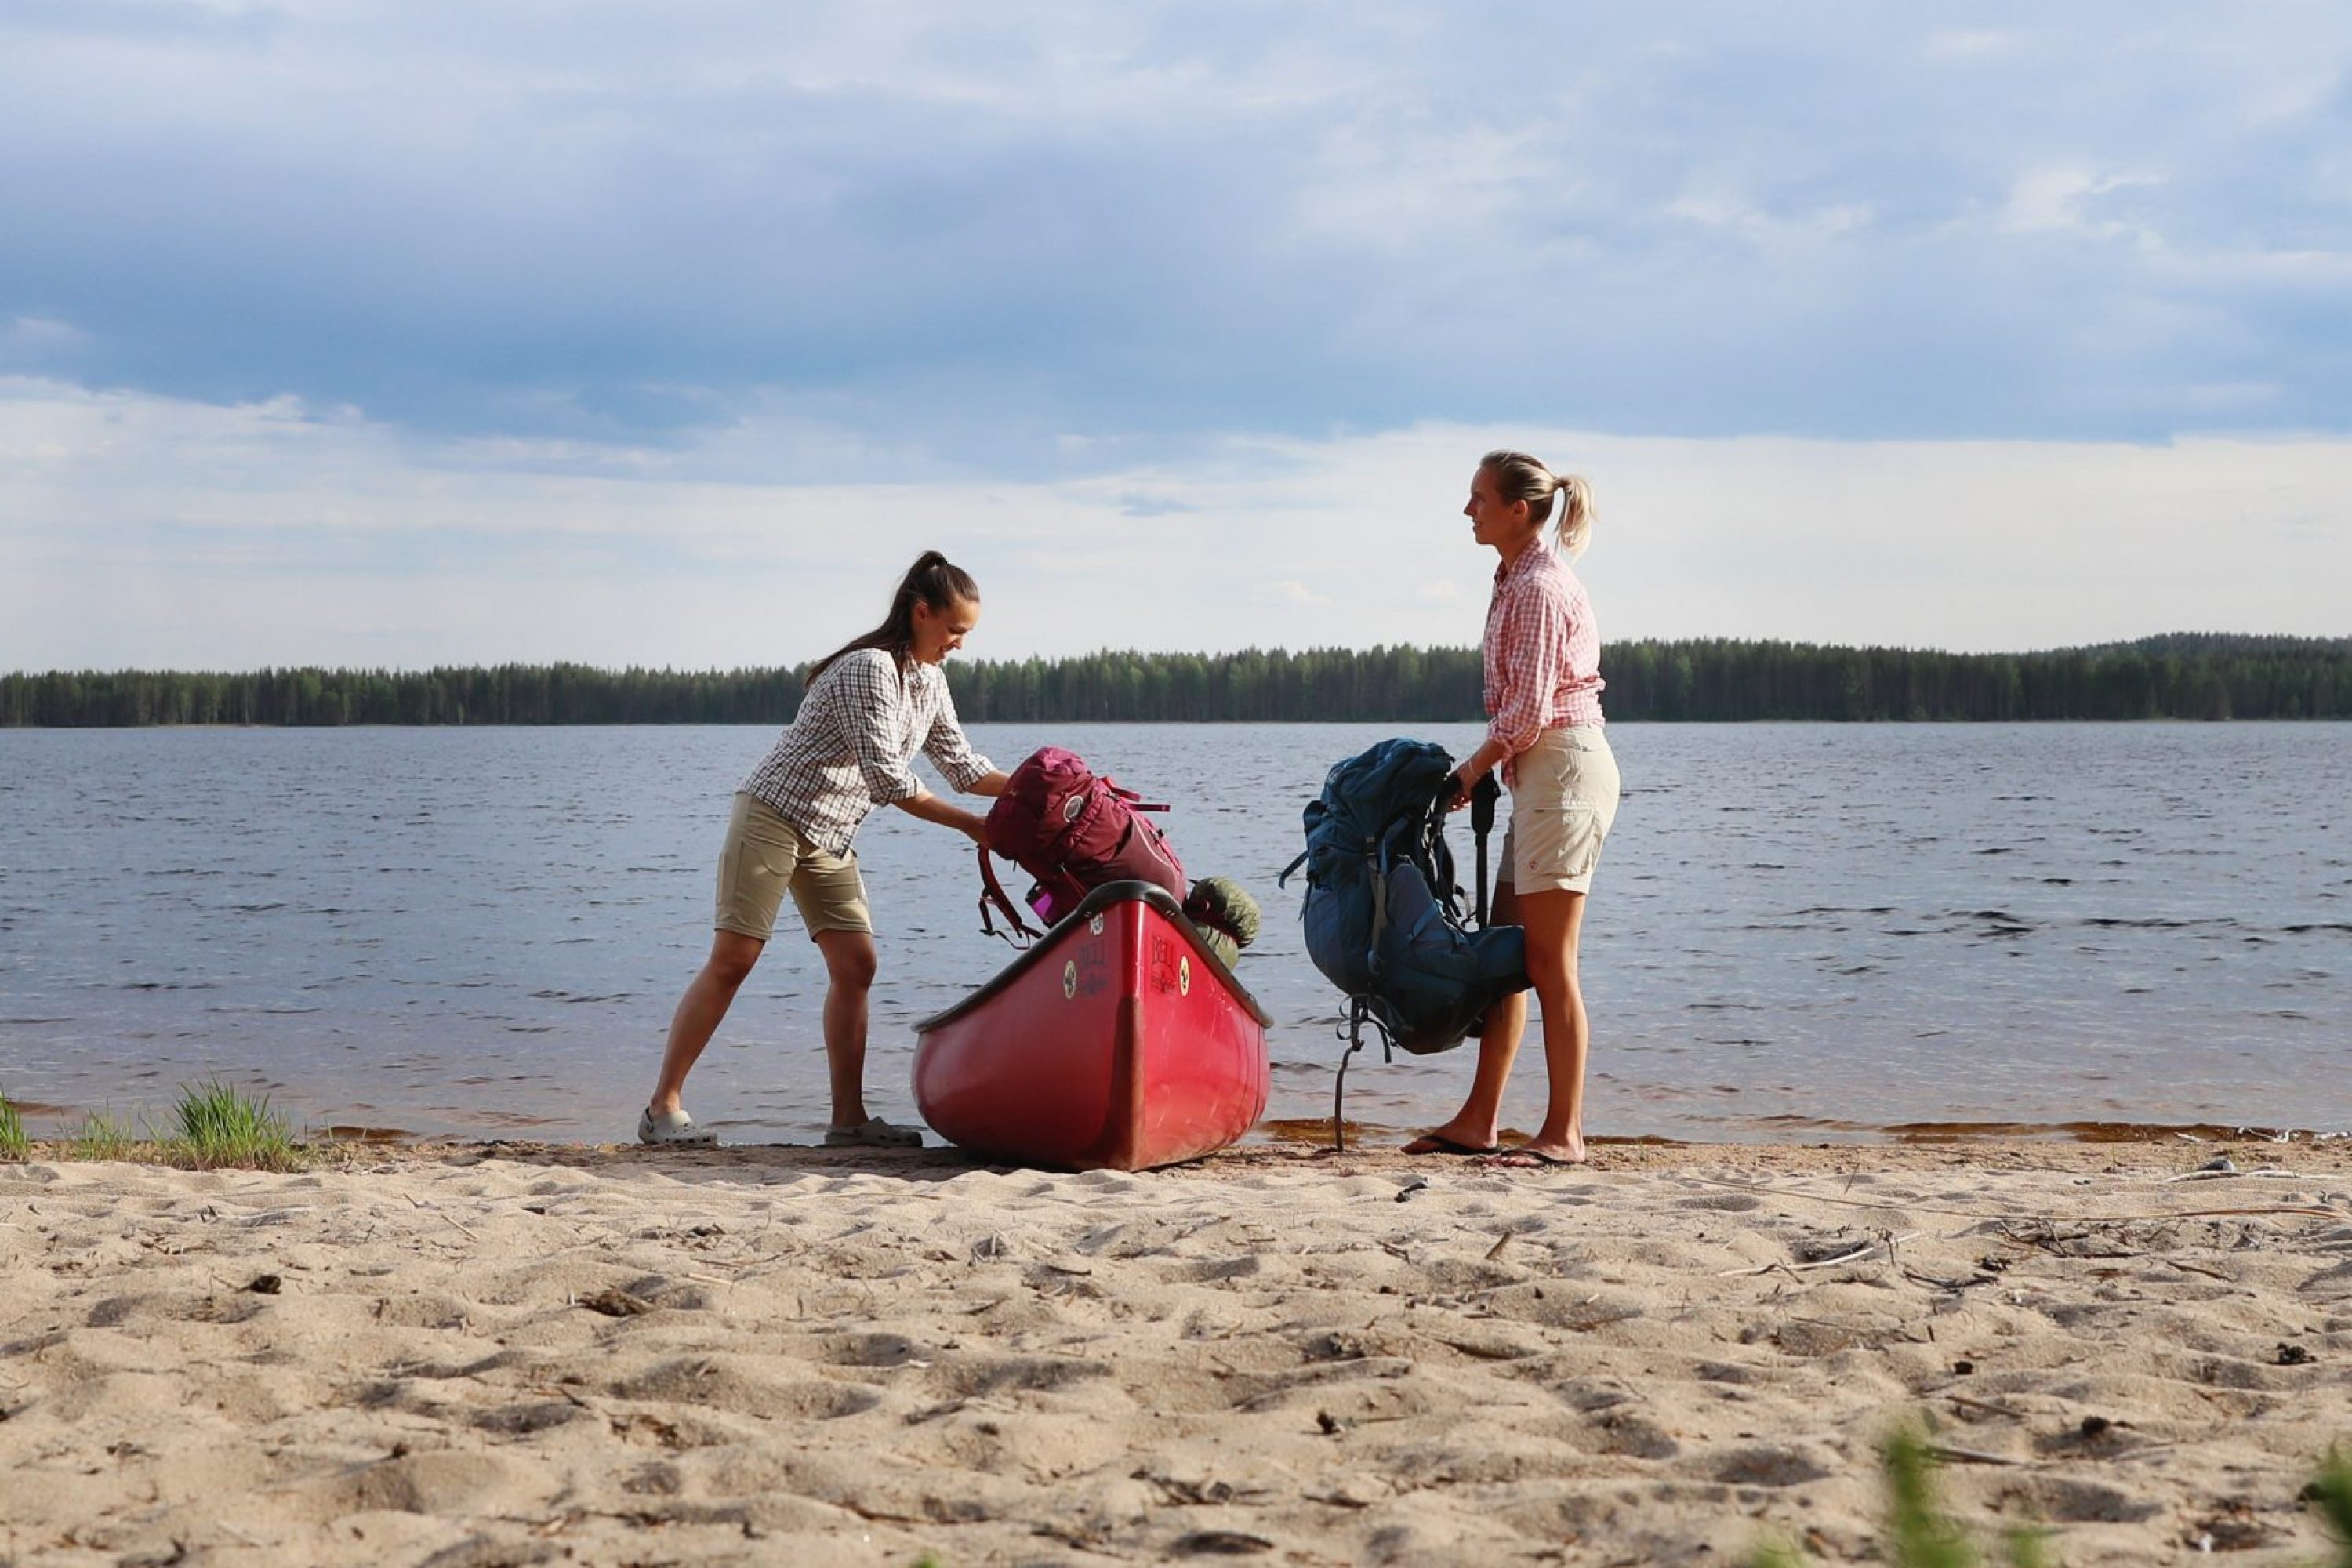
point(923, 804)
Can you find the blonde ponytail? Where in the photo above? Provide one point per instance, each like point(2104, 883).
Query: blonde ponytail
point(1576, 513)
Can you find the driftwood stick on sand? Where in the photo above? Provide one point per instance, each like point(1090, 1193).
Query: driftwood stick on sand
point(1759, 1190)
point(1860, 1252)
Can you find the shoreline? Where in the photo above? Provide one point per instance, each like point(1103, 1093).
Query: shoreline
point(504, 1352)
point(1314, 1134)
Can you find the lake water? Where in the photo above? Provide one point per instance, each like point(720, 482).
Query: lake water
point(1798, 931)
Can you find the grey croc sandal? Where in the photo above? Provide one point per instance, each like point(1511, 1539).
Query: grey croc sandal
point(873, 1133)
point(673, 1127)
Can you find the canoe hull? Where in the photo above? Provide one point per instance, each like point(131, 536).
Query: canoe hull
point(1118, 1041)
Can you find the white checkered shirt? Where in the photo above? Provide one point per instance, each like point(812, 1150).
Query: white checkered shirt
point(1542, 652)
point(849, 748)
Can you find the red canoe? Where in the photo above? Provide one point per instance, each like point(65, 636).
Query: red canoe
point(1118, 1041)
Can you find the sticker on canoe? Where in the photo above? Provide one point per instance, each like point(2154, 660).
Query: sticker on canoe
point(1095, 923)
point(1184, 975)
point(1087, 974)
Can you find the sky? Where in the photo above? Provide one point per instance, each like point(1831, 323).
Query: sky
point(412, 333)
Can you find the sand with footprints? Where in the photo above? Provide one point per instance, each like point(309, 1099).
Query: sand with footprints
point(514, 1355)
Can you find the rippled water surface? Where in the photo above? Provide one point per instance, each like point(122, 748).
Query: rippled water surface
point(1797, 929)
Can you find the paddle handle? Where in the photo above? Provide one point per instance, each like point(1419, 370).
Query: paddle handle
point(1483, 795)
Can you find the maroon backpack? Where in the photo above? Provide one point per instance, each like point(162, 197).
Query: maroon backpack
point(1072, 832)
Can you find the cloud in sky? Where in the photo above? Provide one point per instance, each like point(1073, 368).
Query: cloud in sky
point(999, 224)
point(149, 530)
point(425, 331)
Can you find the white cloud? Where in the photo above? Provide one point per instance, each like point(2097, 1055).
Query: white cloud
point(33, 339)
point(1970, 45)
point(1782, 234)
point(2051, 198)
point(143, 530)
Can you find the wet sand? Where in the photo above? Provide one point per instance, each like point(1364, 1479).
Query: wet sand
point(516, 1354)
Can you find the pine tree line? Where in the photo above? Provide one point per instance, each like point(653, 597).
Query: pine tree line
point(2177, 676)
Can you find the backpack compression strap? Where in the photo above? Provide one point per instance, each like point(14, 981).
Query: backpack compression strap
point(1134, 800)
point(993, 892)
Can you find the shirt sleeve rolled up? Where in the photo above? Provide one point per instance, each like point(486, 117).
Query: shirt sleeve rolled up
point(950, 751)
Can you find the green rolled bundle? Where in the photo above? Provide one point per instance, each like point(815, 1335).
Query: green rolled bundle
point(1225, 915)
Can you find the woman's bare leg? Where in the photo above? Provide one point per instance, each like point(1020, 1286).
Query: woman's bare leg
point(849, 964)
point(1555, 923)
point(707, 997)
point(1478, 1124)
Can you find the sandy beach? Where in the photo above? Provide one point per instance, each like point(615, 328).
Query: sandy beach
point(513, 1354)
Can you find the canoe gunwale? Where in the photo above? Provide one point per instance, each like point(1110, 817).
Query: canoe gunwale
point(1102, 898)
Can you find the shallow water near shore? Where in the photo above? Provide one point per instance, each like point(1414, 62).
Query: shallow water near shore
point(1799, 931)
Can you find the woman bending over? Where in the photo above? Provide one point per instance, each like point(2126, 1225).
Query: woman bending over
point(868, 708)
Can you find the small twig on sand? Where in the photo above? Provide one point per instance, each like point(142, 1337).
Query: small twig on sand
point(1860, 1252)
point(2274, 1172)
point(1952, 1455)
point(1762, 1190)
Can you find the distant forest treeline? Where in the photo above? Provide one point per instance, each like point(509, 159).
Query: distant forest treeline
point(2177, 676)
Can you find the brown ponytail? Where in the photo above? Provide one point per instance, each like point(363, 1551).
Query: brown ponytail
point(933, 580)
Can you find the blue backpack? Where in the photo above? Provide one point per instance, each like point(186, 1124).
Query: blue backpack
point(1384, 920)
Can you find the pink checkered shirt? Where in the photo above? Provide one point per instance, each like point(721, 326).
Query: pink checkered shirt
point(1542, 652)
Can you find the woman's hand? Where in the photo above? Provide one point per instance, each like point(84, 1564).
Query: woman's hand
point(1459, 782)
point(1490, 755)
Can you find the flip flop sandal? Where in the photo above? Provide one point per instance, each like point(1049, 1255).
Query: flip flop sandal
point(673, 1127)
point(1438, 1143)
point(1526, 1158)
point(873, 1133)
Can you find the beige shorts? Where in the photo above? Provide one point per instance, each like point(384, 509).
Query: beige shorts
point(1563, 799)
point(764, 856)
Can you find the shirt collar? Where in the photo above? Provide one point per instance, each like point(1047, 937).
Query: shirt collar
point(1533, 556)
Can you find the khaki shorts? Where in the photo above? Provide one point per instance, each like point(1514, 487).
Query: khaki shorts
point(764, 856)
point(1563, 801)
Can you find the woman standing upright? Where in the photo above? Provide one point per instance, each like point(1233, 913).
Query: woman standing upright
point(868, 708)
point(1544, 729)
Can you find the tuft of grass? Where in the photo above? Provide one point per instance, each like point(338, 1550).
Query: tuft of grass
point(101, 1137)
point(12, 1145)
point(221, 1125)
point(1920, 1532)
point(2332, 1492)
